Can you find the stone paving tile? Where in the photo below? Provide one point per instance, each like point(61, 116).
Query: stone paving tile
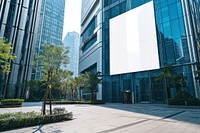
point(119, 118)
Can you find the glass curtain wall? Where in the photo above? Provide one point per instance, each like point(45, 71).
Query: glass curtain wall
point(173, 50)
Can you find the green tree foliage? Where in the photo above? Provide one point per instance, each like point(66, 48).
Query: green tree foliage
point(72, 85)
point(59, 81)
point(171, 79)
point(36, 89)
point(92, 81)
point(5, 56)
point(81, 81)
point(72, 88)
point(51, 60)
point(198, 74)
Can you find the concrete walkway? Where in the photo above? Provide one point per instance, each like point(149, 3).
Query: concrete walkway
point(119, 118)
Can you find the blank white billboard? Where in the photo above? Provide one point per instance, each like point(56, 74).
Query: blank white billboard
point(133, 41)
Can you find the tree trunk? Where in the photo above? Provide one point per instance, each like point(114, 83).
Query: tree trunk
point(92, 93)
point(50, 106)
point(80, 95)
point(44, 102)
point(44, 107)
point(165, 80)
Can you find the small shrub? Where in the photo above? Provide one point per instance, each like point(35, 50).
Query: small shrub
point(58, 110)
point(12, 102)
point(184, 98)
point(11, 121)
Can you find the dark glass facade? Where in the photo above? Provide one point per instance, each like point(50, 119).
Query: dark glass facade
point(177, 27)
point(50, 28)
point(18, 24)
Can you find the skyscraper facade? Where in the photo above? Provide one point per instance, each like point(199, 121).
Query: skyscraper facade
point(176, 27)
point(90, 56)
point(19, 24)
point(50, 28)
point(72, 42)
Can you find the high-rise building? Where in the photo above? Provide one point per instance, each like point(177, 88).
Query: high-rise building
point(19, 24)
point(139, 39)
point(151, 34)
point(90, 56)
point(72, 41)
point(50, 28)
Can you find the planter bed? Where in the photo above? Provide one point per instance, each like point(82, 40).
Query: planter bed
point(11, 121)
point(10, 103)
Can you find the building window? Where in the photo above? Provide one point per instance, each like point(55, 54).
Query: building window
point(88, 32)
point(89, 43)
point(92, 68)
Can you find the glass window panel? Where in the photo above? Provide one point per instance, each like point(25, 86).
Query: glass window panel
point(178, 51)
point(167, 30)
point(185, 49)
point(113, 1)
point(89, 43)
point(122, 7)
point(160, 1)
point(163, 4)
point(179, 9)
point(114, 11)
point(171, 1)
point(106, 15)
point(89, 30)
point(136, 3)
point(173, 11)
point(182, 27)
point(106, 3)
point(169, 51)
point(165, 14)
point(175, 29)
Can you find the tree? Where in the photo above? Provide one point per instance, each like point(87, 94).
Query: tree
point(93, 79)
point(60, 79)
point(180, 81)
point(171, 78)
point(168, 76)
point(197, 72)
point(82, 83)
point(36, 89)
point(5, 56)
point(73, 85)
point(51, 59)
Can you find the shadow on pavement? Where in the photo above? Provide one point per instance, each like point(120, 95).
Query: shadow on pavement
point(159, 110)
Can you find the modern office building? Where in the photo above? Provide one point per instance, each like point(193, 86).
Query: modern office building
point(72, 42)
point(18, 24)
point(50, 28)
point(90, 56)
point(140, 38)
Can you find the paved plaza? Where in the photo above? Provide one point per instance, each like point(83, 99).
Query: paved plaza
point(118, 118)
